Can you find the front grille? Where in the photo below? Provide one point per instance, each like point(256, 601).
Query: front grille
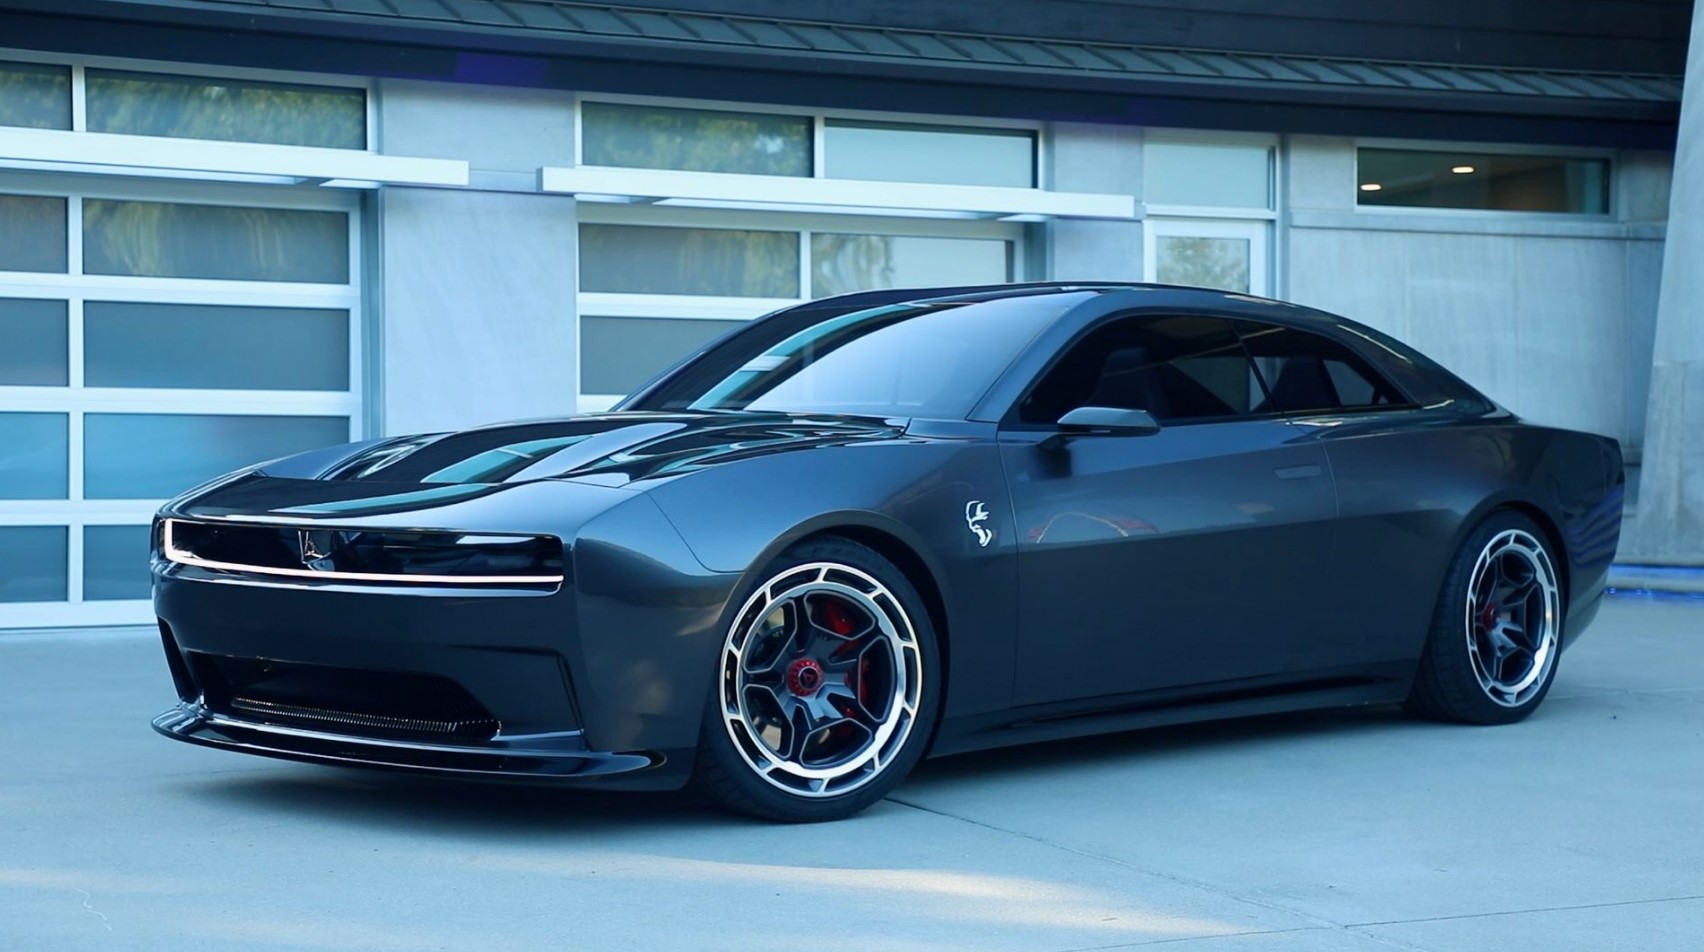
point(370, 556)
point(343, 700)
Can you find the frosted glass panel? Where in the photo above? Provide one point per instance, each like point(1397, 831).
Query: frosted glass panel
point(1221, 263)
point(162, 240)
point(1228, 176)
point(698, 140)
point(32, 564)
point(33, 343)
point(32, 234)
point(620, 353)
point(947, 155)
point(154, 456)
point(34, 455)
point(115, 562)
point(218, 348)
point(35, 96)
point(195, 107)
point(638, 259)
point(841, 263)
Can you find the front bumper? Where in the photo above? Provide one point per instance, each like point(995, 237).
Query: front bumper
point(603, 676)
point(557, 756)
point(429, 681)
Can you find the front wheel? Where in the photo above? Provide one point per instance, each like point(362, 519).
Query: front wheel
point(1496, 632)
point(826, 687)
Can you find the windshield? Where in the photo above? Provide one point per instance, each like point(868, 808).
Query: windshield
point(911, 360)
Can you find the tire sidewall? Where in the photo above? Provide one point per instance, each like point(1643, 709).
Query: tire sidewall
point(726, 775)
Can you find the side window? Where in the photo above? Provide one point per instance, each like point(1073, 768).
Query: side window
point(1307, 373)
point(1179, 369)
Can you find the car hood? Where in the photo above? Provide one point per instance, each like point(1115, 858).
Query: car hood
point(611, 449)
point(459, 474)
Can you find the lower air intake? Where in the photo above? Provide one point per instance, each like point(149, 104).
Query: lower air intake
point(392, 704)
point(269, 710)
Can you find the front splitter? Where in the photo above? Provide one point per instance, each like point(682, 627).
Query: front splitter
point(558, 756)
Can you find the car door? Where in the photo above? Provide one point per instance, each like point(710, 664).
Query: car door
point(1388, 534)
point(1187, 557)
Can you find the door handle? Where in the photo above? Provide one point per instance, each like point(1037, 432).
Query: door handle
point(1298, 472)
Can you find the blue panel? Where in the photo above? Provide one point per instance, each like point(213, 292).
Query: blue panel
point(156, 455)
point(115, 562)
point(34, 455)
point(32, 564)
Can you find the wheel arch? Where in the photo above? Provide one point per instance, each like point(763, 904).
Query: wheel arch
point(894, 542)
point(916, 570)
point(1540, 517)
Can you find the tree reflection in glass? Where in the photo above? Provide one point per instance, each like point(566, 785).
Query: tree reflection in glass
point(234, 110)
point(725, 262)
point(35, 96)
point(694, 140)
point(159, 239)
point(1220, 263)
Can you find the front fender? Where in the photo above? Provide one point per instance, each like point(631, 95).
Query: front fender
point(736, 518)
point(648, 614)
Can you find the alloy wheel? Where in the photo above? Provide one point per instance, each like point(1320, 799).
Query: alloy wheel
point(1512, 618)
point(821, 679)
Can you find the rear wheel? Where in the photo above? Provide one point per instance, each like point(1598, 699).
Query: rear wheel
point(826, 687)
point(1496, 631)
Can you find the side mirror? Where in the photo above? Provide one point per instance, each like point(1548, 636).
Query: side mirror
point(1101, 421)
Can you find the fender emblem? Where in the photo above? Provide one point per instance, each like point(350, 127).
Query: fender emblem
point(975, 514)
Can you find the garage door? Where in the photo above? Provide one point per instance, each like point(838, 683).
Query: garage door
point(156, 335)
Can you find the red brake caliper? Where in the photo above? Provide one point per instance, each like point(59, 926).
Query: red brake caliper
point(836, 619)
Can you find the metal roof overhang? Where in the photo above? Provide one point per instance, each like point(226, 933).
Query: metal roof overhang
point(608, 48)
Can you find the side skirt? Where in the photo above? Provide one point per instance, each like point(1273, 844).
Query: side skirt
point(1387, 684)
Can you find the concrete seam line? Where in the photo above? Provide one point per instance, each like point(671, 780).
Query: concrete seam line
point(1169, 877)
point(1525, 912)
point(1233, 935)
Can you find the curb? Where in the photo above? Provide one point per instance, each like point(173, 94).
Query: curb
point(1657, 578)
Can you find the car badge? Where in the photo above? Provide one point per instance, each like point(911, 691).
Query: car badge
point(312, 556)
point(975, 514)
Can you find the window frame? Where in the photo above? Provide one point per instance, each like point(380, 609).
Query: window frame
point(1275, 169)
point(1012, 419)
point(79, 101)
point(1371, 369)
point(1040, 155)
point(1611, 212)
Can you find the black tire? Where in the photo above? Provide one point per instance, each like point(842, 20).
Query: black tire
point(727, 767)
point(1453, 684)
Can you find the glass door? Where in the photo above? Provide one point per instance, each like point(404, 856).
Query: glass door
point(1229, 255)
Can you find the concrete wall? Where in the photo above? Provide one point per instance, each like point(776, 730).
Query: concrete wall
point(474, 289)
point(1670, 524)
point(1094, 158)
point(1550, 317)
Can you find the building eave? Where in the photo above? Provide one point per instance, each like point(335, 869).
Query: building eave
point(595, 47)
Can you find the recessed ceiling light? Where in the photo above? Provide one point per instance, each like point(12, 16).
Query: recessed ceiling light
point(1370, 186)
point(1463, 170)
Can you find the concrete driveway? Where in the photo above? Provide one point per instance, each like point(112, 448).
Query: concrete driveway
point(1581, 829)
